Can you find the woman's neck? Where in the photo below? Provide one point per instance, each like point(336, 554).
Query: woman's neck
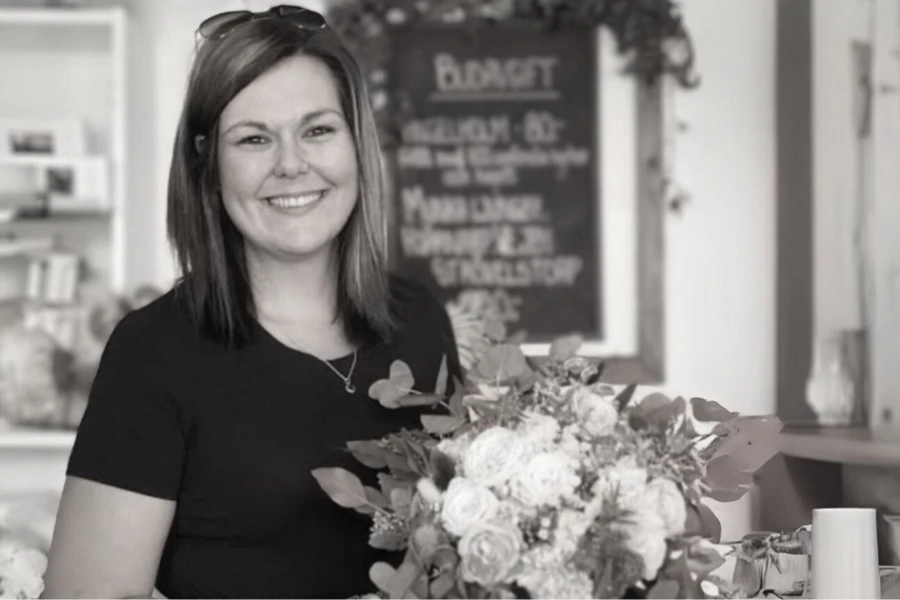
point(291, 291)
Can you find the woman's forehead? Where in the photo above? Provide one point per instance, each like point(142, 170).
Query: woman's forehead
point(288, 92)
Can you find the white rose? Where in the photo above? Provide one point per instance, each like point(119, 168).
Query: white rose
point(624, 482)
point(539, 430)
point(466, 504)
point(598, 414)
point(649, 543)
point(545, 479)
point(489, 552)
point(665, 500)
point(456, 447)
point(494, 457)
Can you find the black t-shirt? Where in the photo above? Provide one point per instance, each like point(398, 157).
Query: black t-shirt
point(233, 434)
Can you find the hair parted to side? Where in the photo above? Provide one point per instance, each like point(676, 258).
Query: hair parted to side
point(209, 249)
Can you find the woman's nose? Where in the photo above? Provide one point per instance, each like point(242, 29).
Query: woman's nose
point(290, 161)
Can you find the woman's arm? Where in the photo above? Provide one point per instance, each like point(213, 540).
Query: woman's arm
point(107, 542)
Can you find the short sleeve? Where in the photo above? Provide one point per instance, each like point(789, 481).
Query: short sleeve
point(131, 434)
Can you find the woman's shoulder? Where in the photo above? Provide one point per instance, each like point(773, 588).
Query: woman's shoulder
point(413, 301)
point(149, 327)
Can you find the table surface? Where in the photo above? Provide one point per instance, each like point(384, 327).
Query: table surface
point(845, 445)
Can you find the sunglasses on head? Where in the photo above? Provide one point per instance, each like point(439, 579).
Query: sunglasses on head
point(220, 25)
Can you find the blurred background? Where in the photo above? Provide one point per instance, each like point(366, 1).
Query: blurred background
point(780, 228)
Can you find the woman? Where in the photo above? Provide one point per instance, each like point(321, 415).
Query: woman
point(212, 405)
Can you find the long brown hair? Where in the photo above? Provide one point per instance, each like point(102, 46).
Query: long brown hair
point(210, 250)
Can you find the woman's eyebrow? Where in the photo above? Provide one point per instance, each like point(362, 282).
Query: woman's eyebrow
point(311, 116)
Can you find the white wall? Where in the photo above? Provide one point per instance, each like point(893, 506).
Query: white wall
point(720, 284)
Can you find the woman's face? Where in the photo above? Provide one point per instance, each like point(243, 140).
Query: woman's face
point(287, 161)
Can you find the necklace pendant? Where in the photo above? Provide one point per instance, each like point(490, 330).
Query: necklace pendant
point(351, 389)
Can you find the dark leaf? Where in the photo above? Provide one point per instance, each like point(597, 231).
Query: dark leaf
point(440, 387)
point(565, 348)
point(501, 364)
point(724, 473)
point(703, 522)
point(728, 495)
point(625, 396)
point(342, 486)
point(441, 586)
point(710, 410)
point(664, 588)
point(753, 442)
point(399, 383)
point(442, 469)
point(445, 558)
point(441, 424)
point(369, 453)
point(704, 561)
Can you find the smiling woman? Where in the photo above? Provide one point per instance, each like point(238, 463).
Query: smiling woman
point(212, 405)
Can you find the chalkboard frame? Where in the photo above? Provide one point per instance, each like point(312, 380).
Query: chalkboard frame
point(647, 365)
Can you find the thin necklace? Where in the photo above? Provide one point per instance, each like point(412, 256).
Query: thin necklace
point(348, 384)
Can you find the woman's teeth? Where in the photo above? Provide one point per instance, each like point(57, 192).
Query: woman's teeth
point(295, 201)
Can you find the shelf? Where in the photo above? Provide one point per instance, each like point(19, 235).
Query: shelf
point(844, 445)
point(10, 248)
point(60, 16)
point(27, 438)
point(41, 161)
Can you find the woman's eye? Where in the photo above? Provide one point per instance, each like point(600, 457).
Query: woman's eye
point(320, 130)
point(252, 140)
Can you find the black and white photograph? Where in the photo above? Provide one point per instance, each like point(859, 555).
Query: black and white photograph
point(450, 299)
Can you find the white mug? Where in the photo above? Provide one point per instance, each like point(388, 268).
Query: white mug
point(845, 554)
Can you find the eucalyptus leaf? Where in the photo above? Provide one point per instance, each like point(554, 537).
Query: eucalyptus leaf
point(369, 453)
point(441, 586)
point(710, 410)
point(404, 579)
point(440, 386)
point(418, 400)
point(401, 498)
point(399, 383)
point(375, 497)
point(381, 574)
point(500, 364)
point(441, 424)
point(565, 348)
point(456, 400)
point(724, 473)
point(342, 486)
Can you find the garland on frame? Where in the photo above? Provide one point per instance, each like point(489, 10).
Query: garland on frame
point(650, 32)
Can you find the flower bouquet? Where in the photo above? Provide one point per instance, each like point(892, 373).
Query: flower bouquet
point(542, 481)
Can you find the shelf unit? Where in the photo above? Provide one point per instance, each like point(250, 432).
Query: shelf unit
point(71, 62)
point(26, 438)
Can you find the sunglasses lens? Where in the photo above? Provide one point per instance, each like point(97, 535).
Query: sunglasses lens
point(302, 17)
point(222, 23)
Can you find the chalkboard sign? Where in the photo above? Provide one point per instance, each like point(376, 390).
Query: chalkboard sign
point(495, 193)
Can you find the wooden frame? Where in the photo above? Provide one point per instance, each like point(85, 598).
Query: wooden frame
point(648, 365)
